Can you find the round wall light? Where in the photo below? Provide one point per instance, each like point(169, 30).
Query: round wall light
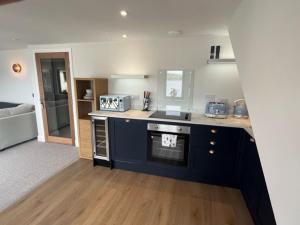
point(17, 68)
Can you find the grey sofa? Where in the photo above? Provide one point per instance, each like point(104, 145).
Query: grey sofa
point(17, 124)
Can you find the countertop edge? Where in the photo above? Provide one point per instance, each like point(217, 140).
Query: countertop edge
point(209, 122)
point(249, 131)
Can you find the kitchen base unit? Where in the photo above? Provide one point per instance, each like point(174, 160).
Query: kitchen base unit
point(253, 185)
point(223, 156)
point(203, 154)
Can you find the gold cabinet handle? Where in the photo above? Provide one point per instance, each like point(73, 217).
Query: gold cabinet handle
point(212, 143)
point(252, 140)
point(214, 131)
point(211, 152)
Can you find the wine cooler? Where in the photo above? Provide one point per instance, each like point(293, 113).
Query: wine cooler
point(100, 140)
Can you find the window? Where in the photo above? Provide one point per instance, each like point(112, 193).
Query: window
point(174, 83)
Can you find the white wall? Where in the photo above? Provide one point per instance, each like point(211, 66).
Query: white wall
point(16, 87)
point(147, 57)
point(265, 35)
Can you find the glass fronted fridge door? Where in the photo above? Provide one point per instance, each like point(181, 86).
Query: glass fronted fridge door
point(100, 138)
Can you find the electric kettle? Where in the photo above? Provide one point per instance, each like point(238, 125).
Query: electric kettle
point(240, 109)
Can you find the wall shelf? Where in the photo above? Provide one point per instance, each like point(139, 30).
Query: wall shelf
point(221, 61)
point(85, 100)
point(119, 76)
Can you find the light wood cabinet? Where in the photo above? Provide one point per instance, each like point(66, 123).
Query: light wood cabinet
point(85, 140)
point(99, 87)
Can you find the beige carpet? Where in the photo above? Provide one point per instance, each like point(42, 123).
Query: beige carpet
point(25, 166)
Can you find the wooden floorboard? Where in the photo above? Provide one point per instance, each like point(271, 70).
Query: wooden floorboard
point(86, 195)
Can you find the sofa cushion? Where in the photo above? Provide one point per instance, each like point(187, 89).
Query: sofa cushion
point(21, 109)
point(4, 105)
point(4, 113)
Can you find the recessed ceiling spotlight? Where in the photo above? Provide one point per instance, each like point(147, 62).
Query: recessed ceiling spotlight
point(175, 32)
point(15, 39)
point(124, 36)
point(123, 13)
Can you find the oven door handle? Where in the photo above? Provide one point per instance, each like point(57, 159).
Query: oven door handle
point(165, 128)
point(159, 134)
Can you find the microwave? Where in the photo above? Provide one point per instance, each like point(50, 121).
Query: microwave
point(116, 103)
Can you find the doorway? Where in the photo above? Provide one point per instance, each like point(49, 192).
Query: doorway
point(54, 80)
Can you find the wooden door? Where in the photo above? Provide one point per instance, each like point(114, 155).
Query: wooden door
point(53, 71)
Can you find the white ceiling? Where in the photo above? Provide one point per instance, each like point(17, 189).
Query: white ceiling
point(68, 21)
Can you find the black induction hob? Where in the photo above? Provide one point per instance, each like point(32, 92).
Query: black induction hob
point(172, 115)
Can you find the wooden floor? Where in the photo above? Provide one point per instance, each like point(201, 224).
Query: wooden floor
point(84, 195)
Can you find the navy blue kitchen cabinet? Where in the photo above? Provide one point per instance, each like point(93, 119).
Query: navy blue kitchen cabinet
point(128, 140)
point(251, 176)
point(129, 147)
point(265, 210)
point(214, 154)
point(252, 184)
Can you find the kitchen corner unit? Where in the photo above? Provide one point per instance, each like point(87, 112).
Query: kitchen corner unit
point(212, 151)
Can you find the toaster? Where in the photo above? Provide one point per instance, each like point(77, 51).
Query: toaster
point(216, 110)
point(117, 103)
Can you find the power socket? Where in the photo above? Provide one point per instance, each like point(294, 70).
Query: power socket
point(135, 97)
point(210, 98)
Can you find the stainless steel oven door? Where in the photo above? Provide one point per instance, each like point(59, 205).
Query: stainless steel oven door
point(159, 151)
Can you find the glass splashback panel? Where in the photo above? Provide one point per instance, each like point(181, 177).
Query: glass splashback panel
point(175, 90)
point(174, 81)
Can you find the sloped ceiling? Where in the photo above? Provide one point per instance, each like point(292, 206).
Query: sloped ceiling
point(265, 36)
point(66, 21)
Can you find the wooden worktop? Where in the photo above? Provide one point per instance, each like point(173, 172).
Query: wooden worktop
point(196, 119)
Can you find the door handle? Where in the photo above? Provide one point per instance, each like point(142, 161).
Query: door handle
point(42, 103)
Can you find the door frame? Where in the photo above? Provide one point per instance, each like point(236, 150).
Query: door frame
point(66, 55)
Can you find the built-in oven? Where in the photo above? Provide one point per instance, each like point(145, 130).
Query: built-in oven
point(168, 144)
